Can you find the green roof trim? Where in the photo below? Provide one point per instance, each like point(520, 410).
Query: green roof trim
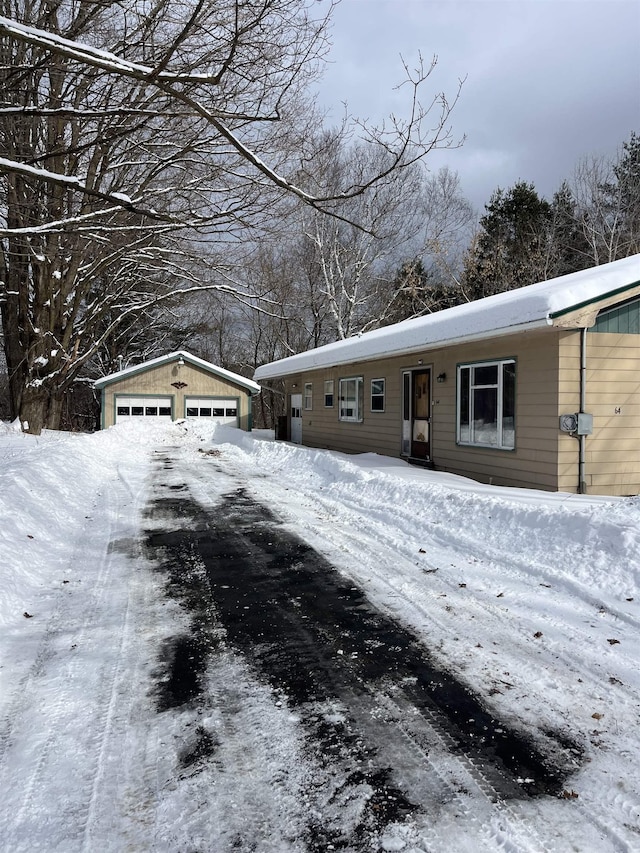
point(555, 314)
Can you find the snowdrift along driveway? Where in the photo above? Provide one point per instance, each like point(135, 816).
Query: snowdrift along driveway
point(528, 599)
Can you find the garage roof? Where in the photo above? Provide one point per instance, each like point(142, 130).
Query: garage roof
point(538, 305)
point(187, 358)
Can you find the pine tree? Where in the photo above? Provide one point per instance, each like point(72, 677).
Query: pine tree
point(511, 248)
point(627, 173)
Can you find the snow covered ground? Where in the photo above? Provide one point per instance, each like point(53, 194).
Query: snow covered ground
point(530, 598)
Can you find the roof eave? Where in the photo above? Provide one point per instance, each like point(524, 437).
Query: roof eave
point(426, 346)
point(593, 304)
point(248, 384)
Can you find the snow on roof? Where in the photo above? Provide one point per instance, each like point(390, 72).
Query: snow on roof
point(505, 313)
point(251, 386)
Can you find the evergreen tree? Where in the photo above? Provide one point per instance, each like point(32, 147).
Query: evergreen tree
point(510, 250)
point(419, 290)
point(627, 191)
point(567, 247)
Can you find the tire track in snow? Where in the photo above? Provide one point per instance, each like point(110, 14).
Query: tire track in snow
point(440, 551)
point(373, 526)
point(468, 769)
point(72, 729)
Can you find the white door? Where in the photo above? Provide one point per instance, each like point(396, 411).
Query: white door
point(296, 418)
point(222, 411)
point(132, 406)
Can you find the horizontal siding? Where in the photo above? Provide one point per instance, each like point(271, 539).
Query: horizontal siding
point(158, 382)
point(612, 452)
point(568, 402)
point(548, 384)
point(613, 382)
point(534, 461)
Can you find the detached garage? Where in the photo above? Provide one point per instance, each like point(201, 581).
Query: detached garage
point(177, 386)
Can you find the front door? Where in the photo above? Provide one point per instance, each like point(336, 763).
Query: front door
point(296, 418)
point(416, 439)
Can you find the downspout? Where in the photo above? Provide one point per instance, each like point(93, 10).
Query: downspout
point(582, 485)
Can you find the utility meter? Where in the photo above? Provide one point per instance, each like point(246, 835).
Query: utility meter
point(580, 423)
point(568, 423)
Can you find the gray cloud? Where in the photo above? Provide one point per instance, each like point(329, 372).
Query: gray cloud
point(548, 82)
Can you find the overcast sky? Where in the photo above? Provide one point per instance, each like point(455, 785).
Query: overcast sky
point(547, 81)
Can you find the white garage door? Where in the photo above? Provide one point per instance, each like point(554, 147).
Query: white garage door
point(223, 411)
point(142, 407)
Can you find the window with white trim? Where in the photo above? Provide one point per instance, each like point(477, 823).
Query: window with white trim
point(328, 393)
point(486, 404)
point(308, 395)
point(377, 395)
point(351, 399)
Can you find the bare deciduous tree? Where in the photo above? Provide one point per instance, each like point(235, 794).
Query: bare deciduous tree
point(128, 132)
point(607, 197)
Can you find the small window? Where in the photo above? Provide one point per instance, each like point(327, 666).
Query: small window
point(218, 413)
point(377, 395)
point(123, 410)
point(232, 413)
point(308, 395)
point(486, 404)
point(192, 411)
point(151, 411)
point(205, 412)
point(164, 410)
point(328, 393)
point(137, 410)
point(350, 399)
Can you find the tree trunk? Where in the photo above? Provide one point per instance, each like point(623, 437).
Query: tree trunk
point(33, 410)
point(40, 409)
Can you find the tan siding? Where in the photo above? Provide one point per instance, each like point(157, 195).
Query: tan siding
point(568, 402)
point(157, 382)
point(532, 463)
point(548, 385)
point(321, 426)
point(613, 382)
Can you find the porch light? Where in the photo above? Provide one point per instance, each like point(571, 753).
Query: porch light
point(441, 377)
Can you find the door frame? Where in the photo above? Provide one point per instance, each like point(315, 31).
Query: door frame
point(408, 441)
point(295, 418)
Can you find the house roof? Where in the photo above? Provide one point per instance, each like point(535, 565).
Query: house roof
point(220, 372)
point(538, 305)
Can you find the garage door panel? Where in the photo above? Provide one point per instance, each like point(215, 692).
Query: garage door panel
point(223, 411)
point(142, 407)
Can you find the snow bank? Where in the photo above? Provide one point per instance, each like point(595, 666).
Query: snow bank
point(591, 541)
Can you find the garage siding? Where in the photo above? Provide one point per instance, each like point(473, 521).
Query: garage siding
point(177, 382)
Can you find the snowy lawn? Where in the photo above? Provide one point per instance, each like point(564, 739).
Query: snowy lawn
point(530, 598)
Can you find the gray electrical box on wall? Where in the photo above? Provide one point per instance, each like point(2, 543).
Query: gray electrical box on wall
point(585, 423)
point(578, 423)
point(568, 423)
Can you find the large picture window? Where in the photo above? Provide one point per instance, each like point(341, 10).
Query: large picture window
point(351, 399)
point(486, 404)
